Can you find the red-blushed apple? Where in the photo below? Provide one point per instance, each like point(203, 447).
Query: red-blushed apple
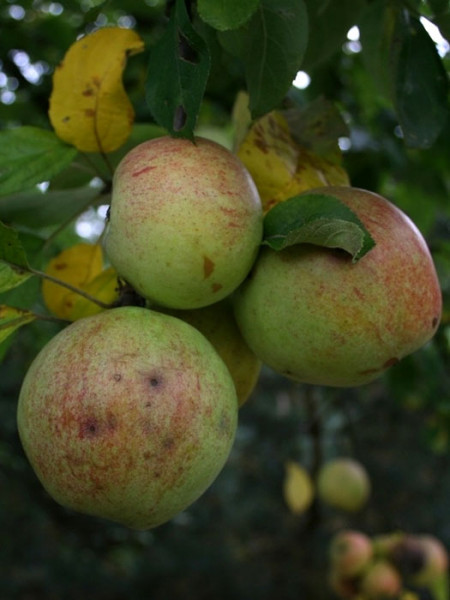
point(128, 415)
point(313, 315)
point(343, 483)
point(185, 221)
point(350, 552)
point(217, 323)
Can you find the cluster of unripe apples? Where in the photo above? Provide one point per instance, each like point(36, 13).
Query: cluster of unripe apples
point(130, 414)
point(393, 565)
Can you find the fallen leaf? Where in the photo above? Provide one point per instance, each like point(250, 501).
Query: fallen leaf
point(89, 107)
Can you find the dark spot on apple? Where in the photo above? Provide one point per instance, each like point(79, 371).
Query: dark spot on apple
point(147, 455)
point(89, 428)
point(168, 443)
point(390, 362)
point(117, 376)
point(435, 322)
point(155, 381)
point(208, 267)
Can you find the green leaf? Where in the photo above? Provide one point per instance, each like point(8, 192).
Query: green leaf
point(317, 126)
point(376, 24)
point(226, 14)
point(439, 6)
point(329, 23)
point(317, 219)
point(14, 268)
point(12, 318)
point(420, 83)
point(178, 71)
point(271, 46)
point(443, 22)
point(37, 209)
point(29, 155)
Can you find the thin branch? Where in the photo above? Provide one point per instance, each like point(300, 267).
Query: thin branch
point(70, 287)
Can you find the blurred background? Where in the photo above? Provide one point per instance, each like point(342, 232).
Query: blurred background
point(240, 540)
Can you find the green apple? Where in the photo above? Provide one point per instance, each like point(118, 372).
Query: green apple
point(128, 415)
point(343, 483)
point(217, 323)
point(185, 221)
point(315, 316)
point(350, 553)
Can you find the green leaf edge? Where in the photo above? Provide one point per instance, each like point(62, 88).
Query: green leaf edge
point(290, 234)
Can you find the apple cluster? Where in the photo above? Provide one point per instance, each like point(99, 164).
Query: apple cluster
point(394, 565)
point(131, 413)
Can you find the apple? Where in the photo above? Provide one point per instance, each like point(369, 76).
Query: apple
point(185, 221)
point(381, 580)
point(313, 315)
point(217, 323)
point(128, 415)
point(343, 483)
point(435, 560)
point(350, 553)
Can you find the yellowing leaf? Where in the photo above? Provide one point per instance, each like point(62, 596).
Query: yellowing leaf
point(280, 167)
point(104, 287)
point(89, 107)
point(79, 266)
point(12, 318)
point(298, 489)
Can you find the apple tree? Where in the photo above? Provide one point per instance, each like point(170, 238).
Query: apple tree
point(310, 96)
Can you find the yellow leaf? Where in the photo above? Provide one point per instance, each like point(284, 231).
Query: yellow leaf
point(77, 265)
point(298, 489)
point(12, 318)
point(280, 167)
point(89, 107)
point(104, 287)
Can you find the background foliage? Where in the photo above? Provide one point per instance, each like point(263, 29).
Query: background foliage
point(240, 540)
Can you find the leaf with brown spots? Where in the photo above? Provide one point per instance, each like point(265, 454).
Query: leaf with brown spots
point(89, 107)
point(281, 168)
point(81, 266)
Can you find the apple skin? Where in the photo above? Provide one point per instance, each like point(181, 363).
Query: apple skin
point(127, 415)
point(381, 580)
point(343, 483)
point(217, 323)
point(185, 221)
point(350, 553)
point(316, 317)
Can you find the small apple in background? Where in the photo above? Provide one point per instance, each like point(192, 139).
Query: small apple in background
point(381, 581)
point(435, 560)
point(128, 415)
point(343, 483)
point(218, 325)
point(350, 553)
point(185, 221)
point(313, 315)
